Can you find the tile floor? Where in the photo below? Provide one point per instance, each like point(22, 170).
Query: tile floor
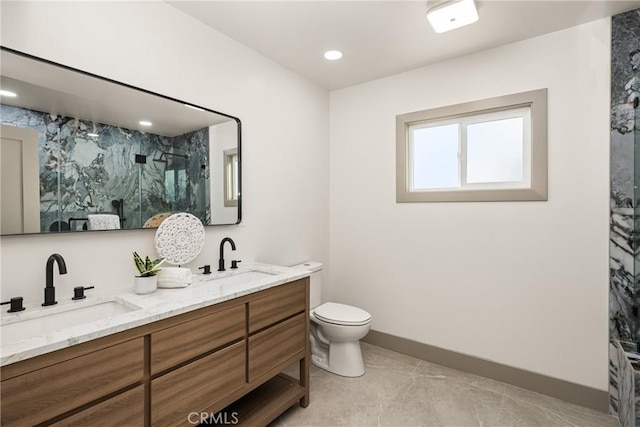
point(399, 390)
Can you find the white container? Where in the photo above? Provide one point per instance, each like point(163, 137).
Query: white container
point(145, 285)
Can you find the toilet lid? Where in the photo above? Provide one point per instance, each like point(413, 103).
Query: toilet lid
point(341, 314)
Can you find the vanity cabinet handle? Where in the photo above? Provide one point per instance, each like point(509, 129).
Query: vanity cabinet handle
point(234, 263)
point(206, 268)
point(16, 304)
point(78, 292)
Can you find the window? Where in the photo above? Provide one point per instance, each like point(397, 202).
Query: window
point(231, 177)
point(489, 150)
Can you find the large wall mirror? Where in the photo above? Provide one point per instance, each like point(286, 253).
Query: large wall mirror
point(82, 152)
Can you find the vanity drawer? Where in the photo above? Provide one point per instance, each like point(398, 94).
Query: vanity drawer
point(197, 386)
point(124, 410)
point(45, 393)
point(278, 303)
point(276, 345)
point(187, 340)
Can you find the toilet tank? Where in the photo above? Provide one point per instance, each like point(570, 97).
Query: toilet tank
point(315, 281)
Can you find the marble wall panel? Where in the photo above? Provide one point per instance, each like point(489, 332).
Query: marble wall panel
point(624, 290)
point(621, 386)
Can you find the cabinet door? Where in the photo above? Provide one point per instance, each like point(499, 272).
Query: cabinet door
point(123, 410)
point(187, 340)
point(278, 304)
point(40, 395)
point(279, 344)
point(197, 387)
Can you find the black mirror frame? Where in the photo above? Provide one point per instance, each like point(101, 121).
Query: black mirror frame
point(148, 92)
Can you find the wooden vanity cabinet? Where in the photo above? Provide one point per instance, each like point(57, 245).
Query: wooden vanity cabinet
point(278, 304)
point(276, 347)
point(124, 409)
point(44, 393)
point(184, 341)
point(199, 386)
point(224, 357)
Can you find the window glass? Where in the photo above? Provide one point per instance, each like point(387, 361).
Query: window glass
point(435, 157)
point(495, 151)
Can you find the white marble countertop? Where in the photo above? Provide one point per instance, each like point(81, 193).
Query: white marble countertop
point(205, 290)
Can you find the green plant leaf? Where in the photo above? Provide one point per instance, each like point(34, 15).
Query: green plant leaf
point(147, 267)
point(139, 262)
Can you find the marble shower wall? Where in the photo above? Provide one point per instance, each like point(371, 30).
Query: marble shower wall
point(622, 390)
point(625, 84)
point(624, 290)
point(81, 174)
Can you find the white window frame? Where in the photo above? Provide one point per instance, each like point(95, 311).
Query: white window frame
point(230, 159)
point(532, 106)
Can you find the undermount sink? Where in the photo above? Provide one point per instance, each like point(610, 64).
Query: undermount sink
point(49, 320)
point(240, 278)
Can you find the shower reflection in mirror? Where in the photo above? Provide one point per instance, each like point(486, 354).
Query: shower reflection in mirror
point(91, 168)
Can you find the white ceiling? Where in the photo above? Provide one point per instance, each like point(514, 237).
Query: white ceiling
point(48, 88)
point(382, 38)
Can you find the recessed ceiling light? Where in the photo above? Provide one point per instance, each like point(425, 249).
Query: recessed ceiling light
point(452, 14)
point(8, 94)
point(193, 107)
point(332, 55)
point(145, 123)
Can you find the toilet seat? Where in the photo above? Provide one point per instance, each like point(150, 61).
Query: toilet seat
point(341, 314)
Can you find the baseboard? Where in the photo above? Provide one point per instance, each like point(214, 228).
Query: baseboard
point(564, 390)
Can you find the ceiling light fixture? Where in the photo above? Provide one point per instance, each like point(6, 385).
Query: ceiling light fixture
point(8, 94)
point(145, 123)
point(94, 133)
point(194, 107)
point(332, 55)
point(449, 15)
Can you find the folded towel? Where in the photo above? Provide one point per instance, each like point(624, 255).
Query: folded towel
point(174, 277)
point(170, 284)
point(103, 222)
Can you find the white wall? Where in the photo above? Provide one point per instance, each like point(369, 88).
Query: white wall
point(154, 46)
point(524, 283)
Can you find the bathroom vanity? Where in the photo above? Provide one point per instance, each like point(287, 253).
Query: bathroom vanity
point(227, 354)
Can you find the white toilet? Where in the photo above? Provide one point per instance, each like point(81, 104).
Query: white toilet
point(336, 330)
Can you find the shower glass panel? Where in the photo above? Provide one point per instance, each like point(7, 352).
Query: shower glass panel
point(624, 231)
point(633, 89)
point(174, 177)
point(624, 297)
point(176, 183)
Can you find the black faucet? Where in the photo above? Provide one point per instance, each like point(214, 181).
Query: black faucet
point(16, 304)
point(221, 260)
point(49, 290)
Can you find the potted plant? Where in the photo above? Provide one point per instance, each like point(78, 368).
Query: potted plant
point(147, 281)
